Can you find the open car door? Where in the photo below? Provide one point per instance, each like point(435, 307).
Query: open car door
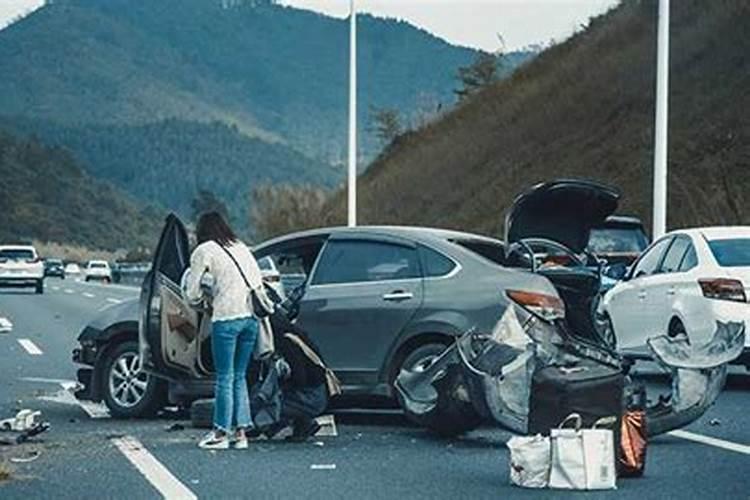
point(169, 334)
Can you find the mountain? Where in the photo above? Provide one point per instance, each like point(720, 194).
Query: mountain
point(276, 72)
point(585, 109)
point(169, 162)
point(45, 195)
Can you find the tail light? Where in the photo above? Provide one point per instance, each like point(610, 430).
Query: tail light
point(547, 307)
point(723, 289)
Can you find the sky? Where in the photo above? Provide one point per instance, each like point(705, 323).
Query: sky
point(491, 25)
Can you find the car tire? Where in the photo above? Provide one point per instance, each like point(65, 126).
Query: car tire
point(202, 413)
point(453, 414)
point(145, 394)
point(87, 279)
point(39, 287)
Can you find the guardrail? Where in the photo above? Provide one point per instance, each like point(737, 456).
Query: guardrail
point(133, 277)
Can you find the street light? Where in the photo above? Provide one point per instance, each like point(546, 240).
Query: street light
point(352, 191)
point(660, 128)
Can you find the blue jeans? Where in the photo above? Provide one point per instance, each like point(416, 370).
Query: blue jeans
point(232, 342)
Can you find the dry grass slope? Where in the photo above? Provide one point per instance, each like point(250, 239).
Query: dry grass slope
point(585, 109)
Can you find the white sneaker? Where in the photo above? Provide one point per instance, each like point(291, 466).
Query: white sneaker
point(214, 440)
point(240, 443)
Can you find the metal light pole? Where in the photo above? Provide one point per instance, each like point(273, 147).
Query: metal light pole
point(352, 191)
point(660, 129)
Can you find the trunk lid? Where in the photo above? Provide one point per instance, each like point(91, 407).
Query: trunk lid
point(562, 210)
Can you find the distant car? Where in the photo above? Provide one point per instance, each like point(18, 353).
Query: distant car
point(271, 275)
point(681, 285)
point(72, 268)
point(98, 270)
point(619, 239)
point(20, 265)
point(54, 267)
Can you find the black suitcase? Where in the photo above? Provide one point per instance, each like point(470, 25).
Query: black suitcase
point(591, 389)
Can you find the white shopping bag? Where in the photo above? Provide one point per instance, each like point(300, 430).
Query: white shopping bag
point(529, 461)
point(582, 459)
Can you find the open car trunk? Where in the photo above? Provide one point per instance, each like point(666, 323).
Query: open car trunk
point(548, 228)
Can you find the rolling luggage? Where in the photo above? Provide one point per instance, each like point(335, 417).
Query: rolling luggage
point(592, 390)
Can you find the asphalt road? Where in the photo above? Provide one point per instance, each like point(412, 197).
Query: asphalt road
point(375, 454)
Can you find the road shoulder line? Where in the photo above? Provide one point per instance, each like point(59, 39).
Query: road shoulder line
point(30, 347)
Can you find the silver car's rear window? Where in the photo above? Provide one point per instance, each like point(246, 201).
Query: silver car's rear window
point(734, 252)
point(494, 252)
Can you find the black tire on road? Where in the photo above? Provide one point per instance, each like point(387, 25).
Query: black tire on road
point(40, 286)
point(202, 413)
point(152, 399)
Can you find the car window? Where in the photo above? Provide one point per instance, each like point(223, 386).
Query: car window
point(616, 240)
point(734, 252)
point(690, 260)
point(495, 252)
point(351, 261)
point(434, 263)
point(16, 254)
point(675, 254)
point(649, 263)
point(294, 259)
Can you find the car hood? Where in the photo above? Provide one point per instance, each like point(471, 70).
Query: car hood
point(563, 211)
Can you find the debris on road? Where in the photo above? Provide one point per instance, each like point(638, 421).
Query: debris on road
point(5, 325)
point(23, 421)
point(714, 422)
point(319, 443)
point(6, 472)
point(175, 427)
point(26, 459)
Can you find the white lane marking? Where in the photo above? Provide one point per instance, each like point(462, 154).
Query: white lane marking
point(114, 301)
point(65, 396)
point(153, 470)
point(323, 467)
point(30, 347)
point(5, 325)
point(719, 443)
point(89, 295)
point(68, 290)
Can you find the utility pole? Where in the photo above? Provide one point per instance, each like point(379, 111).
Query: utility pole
point(352, 191)
point(661, 125)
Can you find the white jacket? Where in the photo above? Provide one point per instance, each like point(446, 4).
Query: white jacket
point(229, 291)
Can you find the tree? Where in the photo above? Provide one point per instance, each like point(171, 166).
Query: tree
point(206, 201)
point(482, 72)
point(282, 209)
point(385, 123)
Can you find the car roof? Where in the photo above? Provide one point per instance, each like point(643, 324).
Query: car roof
point(17, 247)
point(716, 232)
point(411, 232)
point(98, 262)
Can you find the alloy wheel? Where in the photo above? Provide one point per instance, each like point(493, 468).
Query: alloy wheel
point(127, 382)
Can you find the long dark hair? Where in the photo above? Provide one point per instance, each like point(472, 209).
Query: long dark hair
point(212, 227)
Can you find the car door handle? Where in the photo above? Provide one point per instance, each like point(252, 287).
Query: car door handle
point(641, 295)
point(671, 291)
point(398, 296)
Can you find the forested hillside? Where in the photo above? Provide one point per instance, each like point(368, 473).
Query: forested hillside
point(168, 162)
point(585, 108)
point(45, 195)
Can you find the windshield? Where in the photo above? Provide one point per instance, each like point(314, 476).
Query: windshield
point(16, 254)
point(617, 240)
point(97, 265)
point(733, 252)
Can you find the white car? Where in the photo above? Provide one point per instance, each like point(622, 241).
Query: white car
point(98, 270)
point(681, 285)
point(20, 265)
point(72, 268)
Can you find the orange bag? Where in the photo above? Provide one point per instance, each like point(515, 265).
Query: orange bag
point(633, 442)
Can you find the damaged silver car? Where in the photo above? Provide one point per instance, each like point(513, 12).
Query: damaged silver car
point(487, 376)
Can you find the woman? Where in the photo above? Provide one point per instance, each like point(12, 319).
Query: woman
point(221, 260)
